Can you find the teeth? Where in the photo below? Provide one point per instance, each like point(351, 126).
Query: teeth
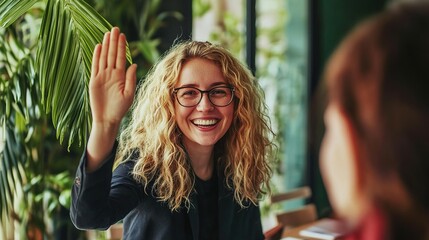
point(205, 122)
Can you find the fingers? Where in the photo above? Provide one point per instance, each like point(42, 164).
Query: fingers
point(111, 54)
point(113, 47)
point(95, 61)
point(121, 57)
point(104, 51)
point(113, 50)
point(130, 82)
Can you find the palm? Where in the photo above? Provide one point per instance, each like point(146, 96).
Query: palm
point(109, 102)
point(111, 87)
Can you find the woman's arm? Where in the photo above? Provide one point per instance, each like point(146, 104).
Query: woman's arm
point(100, 200)
point(111, 92)
point(97, 200)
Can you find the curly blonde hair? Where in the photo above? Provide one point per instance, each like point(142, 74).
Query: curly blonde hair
point(154, 138)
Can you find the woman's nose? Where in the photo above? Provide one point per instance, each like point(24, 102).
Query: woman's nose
point(205, 104)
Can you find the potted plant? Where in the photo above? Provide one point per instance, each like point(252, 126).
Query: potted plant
point(46, 48)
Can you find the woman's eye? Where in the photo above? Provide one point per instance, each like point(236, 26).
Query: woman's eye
point(218, 92)
point(189, 93)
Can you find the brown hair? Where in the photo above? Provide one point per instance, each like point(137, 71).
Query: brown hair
point(382, 85)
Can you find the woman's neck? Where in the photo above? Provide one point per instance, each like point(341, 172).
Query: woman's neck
point(201, 160)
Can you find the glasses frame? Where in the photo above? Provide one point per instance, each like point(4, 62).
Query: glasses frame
point(175, 90)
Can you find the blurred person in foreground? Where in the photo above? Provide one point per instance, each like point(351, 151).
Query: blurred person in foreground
point(375, 152)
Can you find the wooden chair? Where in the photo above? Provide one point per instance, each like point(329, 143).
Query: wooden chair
point(299, 216)
point(274, 233)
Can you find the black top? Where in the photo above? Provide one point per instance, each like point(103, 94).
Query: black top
point(208, 207)
point(102, 198)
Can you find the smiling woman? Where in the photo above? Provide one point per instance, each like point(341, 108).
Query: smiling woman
point(205, 123)
point(187, 168)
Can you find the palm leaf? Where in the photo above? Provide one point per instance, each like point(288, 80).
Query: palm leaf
point(11, 10)
point(70, 30)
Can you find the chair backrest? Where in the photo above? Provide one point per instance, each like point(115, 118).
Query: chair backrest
point(299, 216)
point(274, 233)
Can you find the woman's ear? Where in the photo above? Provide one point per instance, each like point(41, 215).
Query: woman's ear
point(342, 166)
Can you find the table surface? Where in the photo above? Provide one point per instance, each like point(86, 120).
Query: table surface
point(294, 232)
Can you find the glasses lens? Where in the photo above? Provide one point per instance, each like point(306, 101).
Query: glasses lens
point(219, 96)
point(188, 97)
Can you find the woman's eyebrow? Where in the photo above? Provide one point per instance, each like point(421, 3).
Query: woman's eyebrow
point(215, 84)
point(218, 84)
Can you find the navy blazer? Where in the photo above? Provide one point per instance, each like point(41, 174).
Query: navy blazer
point(102, 198)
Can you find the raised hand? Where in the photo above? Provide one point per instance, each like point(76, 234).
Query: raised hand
point(111, 93)
point(112, 86)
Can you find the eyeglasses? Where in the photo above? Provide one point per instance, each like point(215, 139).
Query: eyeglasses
point(190, 97)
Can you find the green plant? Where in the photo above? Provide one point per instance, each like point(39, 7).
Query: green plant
point(46, 49)
point(271, 54)
point(230, 34)
point(35, 169)
point(200, 7)
point(68, 33)
point(140, 24)
point(45, 56)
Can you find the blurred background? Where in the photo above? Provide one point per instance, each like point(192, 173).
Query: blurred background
point(45, 49)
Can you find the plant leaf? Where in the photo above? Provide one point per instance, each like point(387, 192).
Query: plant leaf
point(11, 10)
point(70, 30)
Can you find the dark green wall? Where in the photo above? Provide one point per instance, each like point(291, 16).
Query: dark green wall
point(338, 17)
